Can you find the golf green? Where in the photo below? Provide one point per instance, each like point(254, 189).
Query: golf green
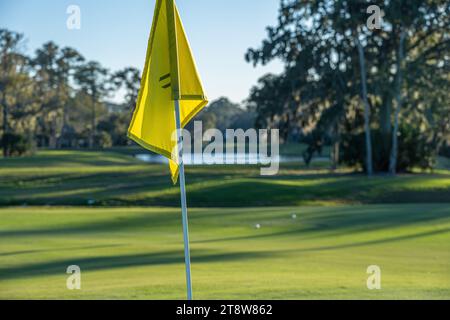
point(137, 253)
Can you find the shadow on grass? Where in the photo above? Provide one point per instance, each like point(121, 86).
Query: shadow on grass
point(378, 241)
point(77, 188)
point(322, 221)
point(104, 226)
point(68, 159)
point(329, 221)
point(15, 253)
point(88, 264)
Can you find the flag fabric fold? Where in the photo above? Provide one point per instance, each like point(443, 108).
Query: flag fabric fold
point(169, 74)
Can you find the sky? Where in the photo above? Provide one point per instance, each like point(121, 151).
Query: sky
point(115, 33)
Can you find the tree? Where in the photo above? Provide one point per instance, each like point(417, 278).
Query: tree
point(399, 101)
point(316, 41)
point(13, 80)
point(93, 80)
point(115, 125)
point(270, 99)
point(49, 96)
point(54, 69)
point(221, 114)
point(367, 131)
point(68, 62)
point(128, 79)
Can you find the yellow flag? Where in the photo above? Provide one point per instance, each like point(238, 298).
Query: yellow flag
point(169, 74)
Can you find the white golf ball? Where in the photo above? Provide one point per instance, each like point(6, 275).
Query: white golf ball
point(258, 226)
point(294, 216)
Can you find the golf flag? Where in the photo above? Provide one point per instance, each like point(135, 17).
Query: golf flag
point(169, 74)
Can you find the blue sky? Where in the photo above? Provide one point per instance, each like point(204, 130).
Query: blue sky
point(115, 33)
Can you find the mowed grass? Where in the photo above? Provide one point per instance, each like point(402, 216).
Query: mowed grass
point(128, 243)
point(79, 178)
point(137, 253)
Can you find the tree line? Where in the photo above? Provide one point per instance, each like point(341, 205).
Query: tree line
point(379, 97)
point(58, 99)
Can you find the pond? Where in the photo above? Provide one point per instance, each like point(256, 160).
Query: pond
point(221, 159)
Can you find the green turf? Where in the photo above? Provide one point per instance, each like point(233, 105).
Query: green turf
point(137, 253)
point(111, 179)
point(345, 222)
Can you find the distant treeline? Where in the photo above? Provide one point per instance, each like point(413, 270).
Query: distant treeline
point(57, 99)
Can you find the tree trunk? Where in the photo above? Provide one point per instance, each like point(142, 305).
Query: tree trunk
point(385, 115)
point(52, 140)
point(335, 147)
point(385, 119)
point(60, 141)
point(399, 101)
point(5, 127)
point(335, 155)
point(63, 97)
point(94, 123)
point(61, 138)
point(369, 165)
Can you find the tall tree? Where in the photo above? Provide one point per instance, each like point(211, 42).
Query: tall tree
point(92, 78)
point(68, 62)
point(399, 103)
point(367, 131)
point(46, 77)
point(13, 75)
point(54, 70)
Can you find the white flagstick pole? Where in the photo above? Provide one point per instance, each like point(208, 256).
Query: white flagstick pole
point(187, 255)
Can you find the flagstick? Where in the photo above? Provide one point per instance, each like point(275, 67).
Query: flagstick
point(187, 255)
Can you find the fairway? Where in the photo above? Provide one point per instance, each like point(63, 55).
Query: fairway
point(79, 178)
point(137, 253)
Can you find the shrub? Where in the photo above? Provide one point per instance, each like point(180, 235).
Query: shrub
point(103, 140)
point(445, 150)
point(414, 150)
point(15, 144)
point(116, 126)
